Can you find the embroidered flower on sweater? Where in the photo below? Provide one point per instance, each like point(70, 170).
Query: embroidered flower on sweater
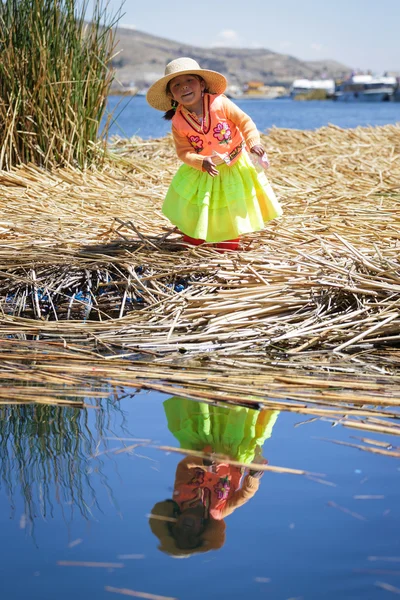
point(196, 142)
point(222, 488)
point(222, 133)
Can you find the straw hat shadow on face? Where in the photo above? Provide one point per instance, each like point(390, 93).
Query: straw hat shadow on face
point(157, 95)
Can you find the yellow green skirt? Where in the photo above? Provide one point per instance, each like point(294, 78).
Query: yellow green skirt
point(237, 201)
point(236, 431)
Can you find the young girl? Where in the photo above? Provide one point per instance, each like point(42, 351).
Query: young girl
point(207, 491)
point(217, 194)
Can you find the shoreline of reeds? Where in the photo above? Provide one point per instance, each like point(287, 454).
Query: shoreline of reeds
point(91, 268)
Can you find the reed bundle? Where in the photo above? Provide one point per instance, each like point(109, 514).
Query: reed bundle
point(86, 257)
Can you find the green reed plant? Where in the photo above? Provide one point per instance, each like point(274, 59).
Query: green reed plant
point(48, 456)
point(55, 74)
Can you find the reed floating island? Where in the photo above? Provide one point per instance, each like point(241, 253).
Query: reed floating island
point(97, 289)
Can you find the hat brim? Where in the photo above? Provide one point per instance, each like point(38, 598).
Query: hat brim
point(157, 94)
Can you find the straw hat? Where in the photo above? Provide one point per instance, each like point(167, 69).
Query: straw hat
point(212, 538)
point(157, 93)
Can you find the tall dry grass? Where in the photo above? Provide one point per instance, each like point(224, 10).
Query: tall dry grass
point(54, 79)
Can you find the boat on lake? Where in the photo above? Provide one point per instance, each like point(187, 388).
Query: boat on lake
point(396, 93)
point(366, 88)
point(309, 86)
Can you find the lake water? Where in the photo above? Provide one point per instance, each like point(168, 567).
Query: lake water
point(77, 488)
point(135, 117)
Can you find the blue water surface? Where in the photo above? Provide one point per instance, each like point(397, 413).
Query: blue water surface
point(133, 116)
point(73, 497)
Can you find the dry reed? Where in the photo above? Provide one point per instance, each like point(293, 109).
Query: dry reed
point(97, 290)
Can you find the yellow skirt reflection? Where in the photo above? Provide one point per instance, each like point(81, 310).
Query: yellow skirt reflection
point(206, 491)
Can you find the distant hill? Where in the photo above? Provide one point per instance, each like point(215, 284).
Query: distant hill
point(143, 57)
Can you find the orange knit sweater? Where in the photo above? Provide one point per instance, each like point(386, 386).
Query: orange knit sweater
point(221, 487)
point(223, 130)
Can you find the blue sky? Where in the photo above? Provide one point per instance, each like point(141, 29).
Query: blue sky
point(359, 33)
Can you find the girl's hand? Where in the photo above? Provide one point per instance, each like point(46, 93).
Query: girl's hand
point(259, 150)
point(261, 461)
point(209, 166)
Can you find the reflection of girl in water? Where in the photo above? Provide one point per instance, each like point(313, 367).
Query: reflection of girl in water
point(206, 491)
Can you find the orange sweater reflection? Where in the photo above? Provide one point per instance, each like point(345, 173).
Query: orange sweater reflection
point(217, 487)
point(204, 494)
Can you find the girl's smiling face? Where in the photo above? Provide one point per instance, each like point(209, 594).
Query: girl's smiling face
point(187, 90)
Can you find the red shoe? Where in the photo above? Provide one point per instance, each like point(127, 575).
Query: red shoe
point(192, 241)
point(228, 245)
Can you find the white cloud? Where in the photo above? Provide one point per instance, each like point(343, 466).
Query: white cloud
point(316, 47)
point(285, 44)
point(227, 37)
point(127, 26)
point(228, 34)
